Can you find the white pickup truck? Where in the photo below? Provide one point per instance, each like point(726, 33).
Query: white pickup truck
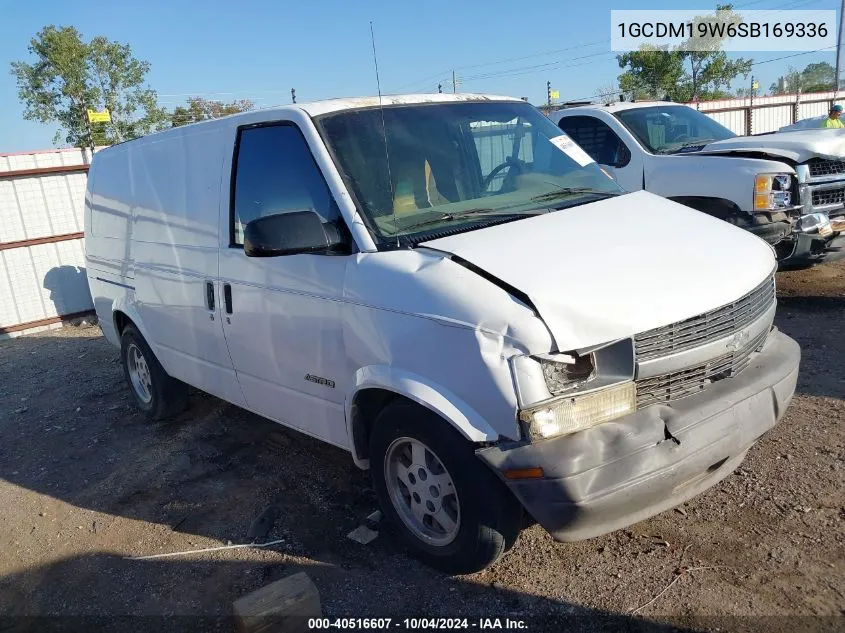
point(788, 189)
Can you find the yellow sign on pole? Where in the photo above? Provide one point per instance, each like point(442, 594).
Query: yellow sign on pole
point(755, 85)
point(555, 94)
point(99, 117)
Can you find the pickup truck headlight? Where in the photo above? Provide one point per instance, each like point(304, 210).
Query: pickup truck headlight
point(772, 192)
point(579, 412)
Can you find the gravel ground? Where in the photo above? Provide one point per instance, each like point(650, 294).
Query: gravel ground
point(86, 482)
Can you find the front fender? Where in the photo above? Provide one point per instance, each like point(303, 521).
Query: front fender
point(425, 393)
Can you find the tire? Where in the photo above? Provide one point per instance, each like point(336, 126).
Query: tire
point(157, 394)
point(465, 527)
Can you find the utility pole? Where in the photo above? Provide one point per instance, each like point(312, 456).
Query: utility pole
point(88, 128)
point(293, 95)
point(750, 113)
point(549, 93)
point(454, 83)
point(838, 47)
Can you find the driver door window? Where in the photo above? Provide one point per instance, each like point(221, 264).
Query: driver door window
point(597, 139)
point(276, 173)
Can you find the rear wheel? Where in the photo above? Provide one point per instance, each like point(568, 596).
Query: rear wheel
point(156, 393)
point(450, 508)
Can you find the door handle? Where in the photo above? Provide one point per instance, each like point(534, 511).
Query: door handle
point(227, 297)
point(209, 295)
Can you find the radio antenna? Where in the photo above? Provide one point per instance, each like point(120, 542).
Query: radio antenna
point(384, 133)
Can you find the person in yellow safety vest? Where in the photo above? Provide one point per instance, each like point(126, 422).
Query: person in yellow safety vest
point(832, 120)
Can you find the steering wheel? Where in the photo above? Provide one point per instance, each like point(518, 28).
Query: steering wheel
point(513, 163)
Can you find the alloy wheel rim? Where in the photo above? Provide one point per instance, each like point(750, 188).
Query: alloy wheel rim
point(422, 491)
point(139, 373)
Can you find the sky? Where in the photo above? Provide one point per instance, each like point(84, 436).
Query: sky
point(260, 49)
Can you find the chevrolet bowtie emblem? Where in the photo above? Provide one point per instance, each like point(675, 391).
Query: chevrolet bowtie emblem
point(738, 341)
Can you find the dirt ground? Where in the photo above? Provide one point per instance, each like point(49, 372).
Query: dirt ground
point(86, 483)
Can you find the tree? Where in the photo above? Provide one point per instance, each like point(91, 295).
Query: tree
point(816, 77)
point(69, 77)
point(200, 109)
point(651, 72)
point(710, 71)
point(697, 69)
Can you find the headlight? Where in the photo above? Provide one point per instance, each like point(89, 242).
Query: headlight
point(579, 412)
point(772, 192)
point(563, 372)
point(562, 393)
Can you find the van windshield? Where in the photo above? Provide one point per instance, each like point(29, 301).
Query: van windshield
point(458, 166)
point(672, 129)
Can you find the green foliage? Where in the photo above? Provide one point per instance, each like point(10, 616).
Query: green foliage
point(69, 76)
point(200, 109)
point(816, 77)
point(684, 75)
point(651, 72)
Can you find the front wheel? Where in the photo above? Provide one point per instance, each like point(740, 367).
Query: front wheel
point(449, 507)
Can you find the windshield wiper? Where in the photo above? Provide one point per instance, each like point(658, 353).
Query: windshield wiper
point(450, 217)
point(565, 192)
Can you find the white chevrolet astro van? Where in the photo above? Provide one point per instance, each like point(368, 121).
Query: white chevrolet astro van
point(454, 292)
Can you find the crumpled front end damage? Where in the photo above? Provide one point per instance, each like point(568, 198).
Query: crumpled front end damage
point(617, 473)
point(813, 230)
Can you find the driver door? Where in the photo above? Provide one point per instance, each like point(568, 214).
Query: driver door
point(282, 315)
point(606, 148)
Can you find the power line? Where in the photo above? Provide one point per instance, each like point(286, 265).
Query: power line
point(525, 70)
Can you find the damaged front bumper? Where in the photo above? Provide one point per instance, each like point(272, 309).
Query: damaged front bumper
point(620, 472)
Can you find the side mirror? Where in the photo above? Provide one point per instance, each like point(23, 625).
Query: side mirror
point(289, 234)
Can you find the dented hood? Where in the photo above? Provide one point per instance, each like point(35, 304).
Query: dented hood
point(607, 270)
point(798, 146)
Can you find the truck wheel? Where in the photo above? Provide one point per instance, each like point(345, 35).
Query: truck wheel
point(158, 395)
point(450, 508)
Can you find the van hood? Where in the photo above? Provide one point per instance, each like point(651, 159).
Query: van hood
point(604, 271)
point(798, 146)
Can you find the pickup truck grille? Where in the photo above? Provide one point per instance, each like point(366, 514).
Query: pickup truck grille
point(689, 381)
point(710, 326)
point(822, 167)
point(828, 196)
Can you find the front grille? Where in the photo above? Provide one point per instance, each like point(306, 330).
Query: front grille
point(710, 326)
point(689, 381)
point(828, 196)
point(823, 167)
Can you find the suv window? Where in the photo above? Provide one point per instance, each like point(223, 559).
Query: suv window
point(597, 139)
point(276, 173)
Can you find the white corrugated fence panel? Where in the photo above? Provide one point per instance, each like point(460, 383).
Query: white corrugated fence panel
point(42, 281)
point(771, 119)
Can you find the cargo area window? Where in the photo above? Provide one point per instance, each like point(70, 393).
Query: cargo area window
point(597, 139)
point(274, 172)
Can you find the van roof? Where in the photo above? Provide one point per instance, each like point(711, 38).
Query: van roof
point(316, 108)
point(326, 106)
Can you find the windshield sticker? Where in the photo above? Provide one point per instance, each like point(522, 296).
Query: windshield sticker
point(569, 147)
